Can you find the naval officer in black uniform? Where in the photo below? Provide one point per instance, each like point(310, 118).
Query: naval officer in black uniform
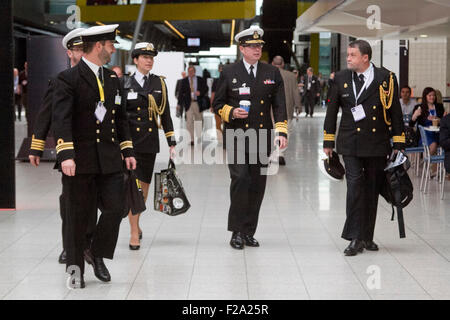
point(262, 85)
point(74, 46)
point(371, 116)
point(92, 134)
point(147, 106)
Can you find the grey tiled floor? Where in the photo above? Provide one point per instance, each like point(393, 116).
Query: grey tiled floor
point(188, 256)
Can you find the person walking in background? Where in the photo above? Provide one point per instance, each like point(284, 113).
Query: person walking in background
point(23, 80)
point(118, 71)
point(192, 89)
point(311, 91)
point(217, 117)
point(17, 95)
point(292, 98)
point(179, 110)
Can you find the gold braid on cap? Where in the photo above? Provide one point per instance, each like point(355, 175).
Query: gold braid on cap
point(153, 109)
point(386, 98)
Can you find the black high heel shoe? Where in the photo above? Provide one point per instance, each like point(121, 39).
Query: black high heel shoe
point(132, 247)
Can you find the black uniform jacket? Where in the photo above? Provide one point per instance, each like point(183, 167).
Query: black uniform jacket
point(143, 124)
point(43, 122)
point(266, 92)
point(369, 137)
point(95, 146)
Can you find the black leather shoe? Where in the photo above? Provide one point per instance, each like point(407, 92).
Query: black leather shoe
point(281, 161)
point(237, 241)
point(250, 241)
point(354, 247)
point(370, 245)
point(62, 257)
point(100, 270)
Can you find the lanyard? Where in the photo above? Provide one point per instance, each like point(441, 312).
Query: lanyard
point(365, 85)
point(100, 89)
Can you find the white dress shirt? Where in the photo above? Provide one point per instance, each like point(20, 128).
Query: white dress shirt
point(247, 66)
point(407, 108)
point(368, 75)
point(140, 77)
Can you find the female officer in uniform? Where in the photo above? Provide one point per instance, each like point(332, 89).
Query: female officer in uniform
point(148, 109)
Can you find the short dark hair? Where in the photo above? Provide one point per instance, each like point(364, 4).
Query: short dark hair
point(89, 46)
point(405, 87)
point(363, 47)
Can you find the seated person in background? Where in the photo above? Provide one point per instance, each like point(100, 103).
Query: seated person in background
point(444, 140)
point(424, 113)
point(406, 101)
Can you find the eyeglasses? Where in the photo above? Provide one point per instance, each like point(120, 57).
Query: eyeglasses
point(254, 45)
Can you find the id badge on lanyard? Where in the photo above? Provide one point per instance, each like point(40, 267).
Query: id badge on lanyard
point(358, 110)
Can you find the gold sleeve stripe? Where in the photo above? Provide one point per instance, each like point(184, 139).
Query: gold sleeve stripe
point(126, 144)
point(225, 112)
point(169, 134)
point(399, 139)
point(64, 146)
point(281, 124)
point(37, 147)
point(37, 140)
point(328, 137)
point(282, 130)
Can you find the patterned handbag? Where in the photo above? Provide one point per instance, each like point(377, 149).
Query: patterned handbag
point(169, 197)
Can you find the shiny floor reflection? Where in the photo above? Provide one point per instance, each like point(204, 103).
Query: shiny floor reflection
point(188, 256)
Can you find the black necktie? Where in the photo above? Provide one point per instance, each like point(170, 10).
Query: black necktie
point(359, 82)
point(252, 75)
point(100, 76)
point(145, 86)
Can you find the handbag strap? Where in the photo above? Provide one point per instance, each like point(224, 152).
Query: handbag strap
point(171, 164)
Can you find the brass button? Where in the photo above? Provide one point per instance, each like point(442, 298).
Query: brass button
point(112, 139)
point(373, 130)
point(374, 118)
point(98, 140)
point(374, 107)
point(359, 129)
point(261, 113)
point(98, 131)
point(151, 119)
point(112, 121)
point(114, 111)
point(112, 130)
point(98, 121)
point(138, 129)
point(261, 125)
point(246, 125)
point(139, 119)
point(262, 101)
point(138, 109)
point(149, 129)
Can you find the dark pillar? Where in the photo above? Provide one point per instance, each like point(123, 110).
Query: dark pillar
point(404, 64)
point(278, 21)
point(7, 162)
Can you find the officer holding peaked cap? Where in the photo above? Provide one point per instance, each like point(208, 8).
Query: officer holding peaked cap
point(92, 134)
point(147, 105)
point(262, 85)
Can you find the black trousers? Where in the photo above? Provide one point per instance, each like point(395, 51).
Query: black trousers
point(310, 102)
point(92, 222)
point(365, 177)
point(246, 193)
point(83, 194)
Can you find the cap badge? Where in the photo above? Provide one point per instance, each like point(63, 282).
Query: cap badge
point(384, 84)
point(149, 47)
point(255, 35)
point(234, 80)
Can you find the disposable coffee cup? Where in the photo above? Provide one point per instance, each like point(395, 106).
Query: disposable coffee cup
point(245, 104)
